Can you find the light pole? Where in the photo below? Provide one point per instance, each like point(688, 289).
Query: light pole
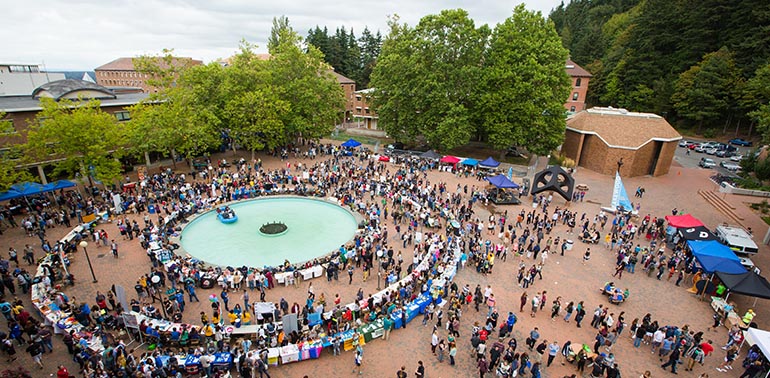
point(379, 267)
point(84, 244)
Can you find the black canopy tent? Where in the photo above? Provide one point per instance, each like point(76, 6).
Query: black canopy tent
point(749, 283)
point(696, 233)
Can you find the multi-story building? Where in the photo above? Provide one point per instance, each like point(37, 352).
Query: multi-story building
point(22, 79)
point(21, 111)
point(349, 87)
point(121, 73)
point(363, 115)
point(580, 78)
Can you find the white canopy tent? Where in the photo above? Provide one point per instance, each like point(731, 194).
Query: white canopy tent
point(760, 338)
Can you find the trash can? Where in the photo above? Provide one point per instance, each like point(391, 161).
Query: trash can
point(569, 243)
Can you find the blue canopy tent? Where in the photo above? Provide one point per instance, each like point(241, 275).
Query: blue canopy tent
point(28, 188)
point(714, 256)
point(489, 163)
point(502, 182)
point(56, 185)
point(351, 143)
point(470, 162)
point(9, 195)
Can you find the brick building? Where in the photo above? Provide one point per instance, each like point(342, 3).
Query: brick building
point(598, 138)
point(579, 78)
point(363, 115)
point(21, 111)
point(349, 87)
point(121, 73)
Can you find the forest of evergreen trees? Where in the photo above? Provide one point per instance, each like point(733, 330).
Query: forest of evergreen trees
point(350, 56)
point(702, 64)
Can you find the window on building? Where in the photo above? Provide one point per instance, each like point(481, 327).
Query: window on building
point(578, 81)
point(575, 96)
point(572, 109)
point(358, 97)
point(122, 116)
point(366, 110)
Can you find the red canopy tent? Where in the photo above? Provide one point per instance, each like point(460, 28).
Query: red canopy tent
point(449, 159)
point(683, 221)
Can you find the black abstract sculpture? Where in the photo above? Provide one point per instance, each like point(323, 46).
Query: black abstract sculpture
point(554, 179)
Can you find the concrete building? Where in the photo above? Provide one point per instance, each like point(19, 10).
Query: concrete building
point(22, 79)
point(598, 138)
point(121, 73)
point(580, 78)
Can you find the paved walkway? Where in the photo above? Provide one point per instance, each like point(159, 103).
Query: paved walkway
point(563, 276)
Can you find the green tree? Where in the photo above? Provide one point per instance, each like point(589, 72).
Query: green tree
point(525, 61)
point(9, 159)
point(304, 81)
point(162, 70)
point(252, 108)
point(428, 79)
point(281, 34)
point(706, 91)
point(79, 137)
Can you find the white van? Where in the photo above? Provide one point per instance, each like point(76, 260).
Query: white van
point(738, 239)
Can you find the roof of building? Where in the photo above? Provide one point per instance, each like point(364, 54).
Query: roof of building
point(15, 104)
point(619, 128)
point(366, 91)
point(127, 64)
point(60, 88)
point(342, 79)
point(573, 70)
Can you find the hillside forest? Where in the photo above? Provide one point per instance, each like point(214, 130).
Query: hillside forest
point(704, 65)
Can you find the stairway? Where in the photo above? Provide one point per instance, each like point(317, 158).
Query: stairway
point(721, 205)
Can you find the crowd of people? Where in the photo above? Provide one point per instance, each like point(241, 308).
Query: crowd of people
point(390, 197)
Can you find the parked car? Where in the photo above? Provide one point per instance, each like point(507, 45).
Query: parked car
point(730, 166)
point(740, 142)
point(736, 157)
point(712, 151)
point(725, 153)
point(707, 163)
point(684, 143)
point(702, 147)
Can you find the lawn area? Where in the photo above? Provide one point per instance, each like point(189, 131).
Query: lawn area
point(370, 140)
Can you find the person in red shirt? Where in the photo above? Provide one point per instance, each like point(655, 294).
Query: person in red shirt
point(707, 348)
point(62, 372)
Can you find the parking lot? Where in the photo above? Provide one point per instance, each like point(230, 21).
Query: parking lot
point(691, 160)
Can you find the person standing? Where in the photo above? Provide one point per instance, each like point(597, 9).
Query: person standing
point(35, 351)
point(483, 366)
point(420, 372)
point(401, 373)
point(673, 359)
point(359, 360)
point(433, 341)
point(114, 248)
point(553, 350)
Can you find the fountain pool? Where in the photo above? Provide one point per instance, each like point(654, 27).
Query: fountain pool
point(314, 228)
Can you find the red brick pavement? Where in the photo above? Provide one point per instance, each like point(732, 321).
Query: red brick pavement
point(563, 276)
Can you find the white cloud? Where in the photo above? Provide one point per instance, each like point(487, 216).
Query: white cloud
point(84, 34)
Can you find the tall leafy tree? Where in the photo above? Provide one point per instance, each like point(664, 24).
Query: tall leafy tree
point(84, 139)
point(707, 90)
point(428, 77)
point(281, 33)
point(525, 61)
point(302, 79)
point(252, 108)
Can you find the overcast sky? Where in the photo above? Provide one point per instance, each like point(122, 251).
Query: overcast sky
point(84, 34)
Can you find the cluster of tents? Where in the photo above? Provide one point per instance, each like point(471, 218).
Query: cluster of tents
point(717, 258)
point(26, 189)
